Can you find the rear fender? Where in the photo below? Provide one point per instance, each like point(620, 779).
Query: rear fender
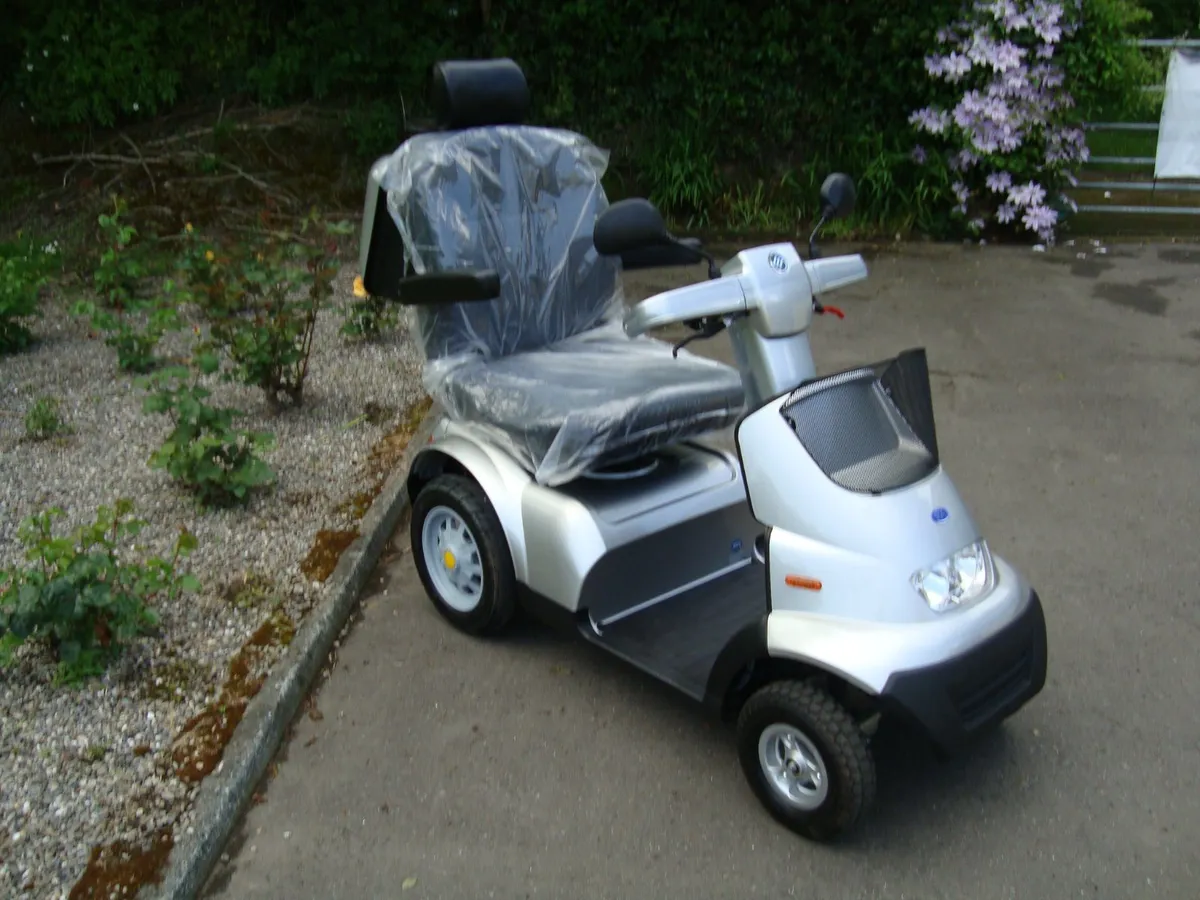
point(500, 478)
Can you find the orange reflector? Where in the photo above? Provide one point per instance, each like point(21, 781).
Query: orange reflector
point(799, 581)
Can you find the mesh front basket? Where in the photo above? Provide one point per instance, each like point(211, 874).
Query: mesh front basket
point(870, 430)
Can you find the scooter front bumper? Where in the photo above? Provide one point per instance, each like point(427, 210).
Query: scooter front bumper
point(955, 699)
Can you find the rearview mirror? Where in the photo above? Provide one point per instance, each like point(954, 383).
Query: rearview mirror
point(631, 224)
point(837, 196)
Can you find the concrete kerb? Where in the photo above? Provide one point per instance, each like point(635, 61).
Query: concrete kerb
point(224, 795)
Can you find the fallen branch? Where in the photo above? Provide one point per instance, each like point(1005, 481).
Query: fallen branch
point(101, 160)
point(145, 168)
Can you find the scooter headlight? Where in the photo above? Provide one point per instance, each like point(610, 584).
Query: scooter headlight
point(959, 578)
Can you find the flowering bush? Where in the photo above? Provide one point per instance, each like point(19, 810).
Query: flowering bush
point(1003, 122)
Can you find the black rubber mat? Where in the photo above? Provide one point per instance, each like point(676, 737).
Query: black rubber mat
point(679, 639)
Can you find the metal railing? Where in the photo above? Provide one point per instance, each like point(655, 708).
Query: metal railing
point(1153, 186)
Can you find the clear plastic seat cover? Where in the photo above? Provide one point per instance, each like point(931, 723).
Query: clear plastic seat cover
point(544, 371)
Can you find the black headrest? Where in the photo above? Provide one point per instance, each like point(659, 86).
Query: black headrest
point(477, 92)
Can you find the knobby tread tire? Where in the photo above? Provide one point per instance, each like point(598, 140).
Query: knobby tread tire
point(848, 760)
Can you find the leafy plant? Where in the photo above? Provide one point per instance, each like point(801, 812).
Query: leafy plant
point(204, 452)
point(119, 269)
point(43, 421)
point(81, 594)
point(22, 274)
point(135, 343)
point(265, 304)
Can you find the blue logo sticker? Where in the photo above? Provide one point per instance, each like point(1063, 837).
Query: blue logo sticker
point(941, 514)
point(736, 546)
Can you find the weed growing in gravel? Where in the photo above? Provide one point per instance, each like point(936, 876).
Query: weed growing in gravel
point(23, 268)
point(81, 594)
point(204, 452)
point(43, 422)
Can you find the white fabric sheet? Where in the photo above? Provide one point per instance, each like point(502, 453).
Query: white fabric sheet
point(1179, 128)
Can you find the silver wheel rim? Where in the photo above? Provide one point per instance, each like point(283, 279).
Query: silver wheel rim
point(793, 766)
point(452, 559)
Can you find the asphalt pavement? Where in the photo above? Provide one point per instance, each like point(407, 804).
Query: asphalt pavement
point(1066, 390)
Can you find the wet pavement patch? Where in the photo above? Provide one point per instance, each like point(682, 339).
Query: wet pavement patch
point(1090, 267)
point(1180, 255)
point(1142, 297)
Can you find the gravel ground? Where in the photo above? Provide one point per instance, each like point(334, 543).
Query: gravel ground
point(85, 766)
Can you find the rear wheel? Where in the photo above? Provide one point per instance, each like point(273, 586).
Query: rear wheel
point(806, 759)
point(462, 556)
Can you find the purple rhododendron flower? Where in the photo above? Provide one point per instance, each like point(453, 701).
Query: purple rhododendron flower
point(951, 67)
point(976, 224)
point(1013, 96)
point(999, 182)
point(935, 121)
point(918, 155)
point(1030, 194)
point(1040, 219)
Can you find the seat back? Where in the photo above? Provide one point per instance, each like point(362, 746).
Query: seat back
point(485, 191)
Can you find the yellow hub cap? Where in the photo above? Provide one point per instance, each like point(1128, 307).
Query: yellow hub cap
point(449, 560)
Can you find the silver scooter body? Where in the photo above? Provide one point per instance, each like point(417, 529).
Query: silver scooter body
point(700, 565)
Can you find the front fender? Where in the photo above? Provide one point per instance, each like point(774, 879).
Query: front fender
point(866, 653)
point(500, 478)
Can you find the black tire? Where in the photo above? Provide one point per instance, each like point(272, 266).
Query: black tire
point(849, 768)
point(497, 602)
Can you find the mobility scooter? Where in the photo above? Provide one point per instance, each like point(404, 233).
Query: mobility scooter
point(820, 574)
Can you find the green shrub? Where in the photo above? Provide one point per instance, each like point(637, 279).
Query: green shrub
point(204, 452)
point(119, 269)
point(263, 301)
point(134, 342)
point(23, 272)
point(81, 65)
point(82, 594)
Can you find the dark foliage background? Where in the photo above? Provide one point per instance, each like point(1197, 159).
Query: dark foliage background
point(712, 108)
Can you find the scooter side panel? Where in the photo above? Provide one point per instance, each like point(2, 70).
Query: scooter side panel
point(609, 547)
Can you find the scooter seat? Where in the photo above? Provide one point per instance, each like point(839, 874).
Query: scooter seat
point(591, 400)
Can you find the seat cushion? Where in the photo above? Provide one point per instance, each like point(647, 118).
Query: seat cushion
point(590, 400)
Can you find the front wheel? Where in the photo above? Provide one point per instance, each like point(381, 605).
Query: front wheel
point(806, 759)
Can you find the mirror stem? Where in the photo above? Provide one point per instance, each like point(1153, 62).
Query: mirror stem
point(813, 253)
